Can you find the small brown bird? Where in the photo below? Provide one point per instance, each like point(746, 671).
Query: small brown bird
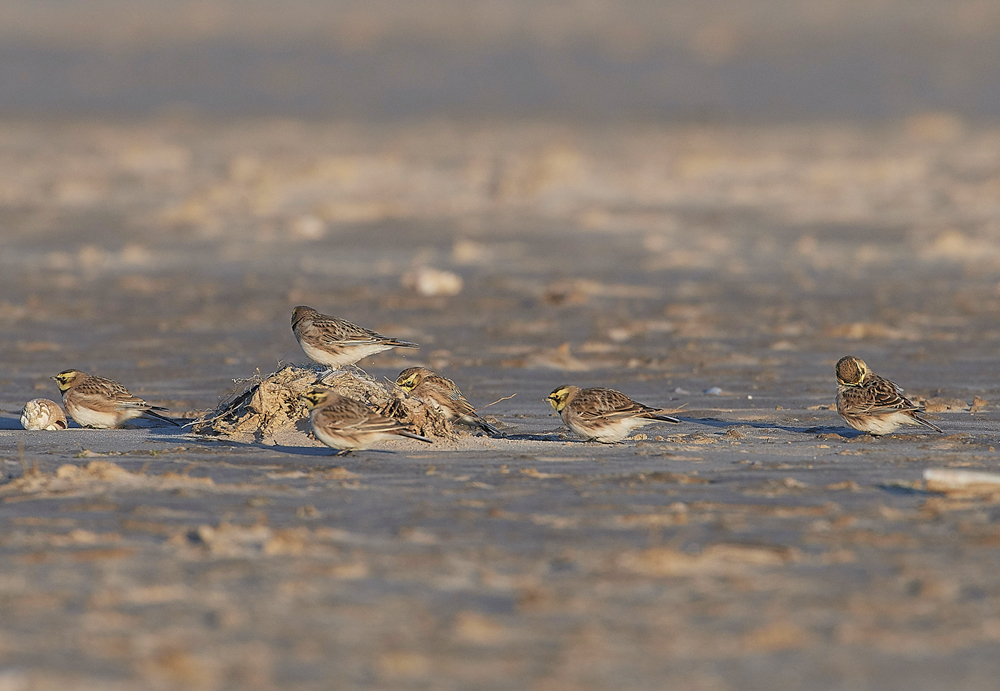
point(102, 403)
point(603, 415)
point(41, 413)
point(871, 403)
point(348, 425)
point(337, 342)
point(441, 393)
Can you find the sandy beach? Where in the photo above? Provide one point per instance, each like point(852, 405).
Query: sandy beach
point(703, 205)
point(759, 544)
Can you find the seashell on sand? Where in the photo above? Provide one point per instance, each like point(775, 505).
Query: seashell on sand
point(41, 413)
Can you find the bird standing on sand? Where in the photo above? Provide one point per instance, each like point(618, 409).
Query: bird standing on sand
point(348, 425)
point(337, 342)
point(603, 415)
point(102, 403)
point(871, 403)
point(442, 393)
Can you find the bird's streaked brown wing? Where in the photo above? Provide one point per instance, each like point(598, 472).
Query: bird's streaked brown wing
point(609, 404)
point(883, 396)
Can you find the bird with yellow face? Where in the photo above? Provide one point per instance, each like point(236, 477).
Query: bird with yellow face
point(442, 393)
point(603, 415)
point(871, 403)
point(102, 403)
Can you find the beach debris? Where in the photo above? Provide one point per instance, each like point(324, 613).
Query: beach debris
point(308, 227)
point(430, 282)
point(961, 482)
point(944, 405)
point(551, 358)
point(43, 413)
point(714, 391)
point(262, 405)
point(720, 558)
point(579, 290)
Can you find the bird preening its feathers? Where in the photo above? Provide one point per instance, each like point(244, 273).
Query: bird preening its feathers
point(871, 403)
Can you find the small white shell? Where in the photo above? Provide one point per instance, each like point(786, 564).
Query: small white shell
point(431, 282)
point(41, 413)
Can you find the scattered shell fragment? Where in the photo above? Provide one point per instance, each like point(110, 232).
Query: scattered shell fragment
point(953, 481)
point(42, 413)
point(308, 227)
point(432, 282)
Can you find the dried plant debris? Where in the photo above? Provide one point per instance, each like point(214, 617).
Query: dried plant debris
point(263, 405)
point(944, 405)
point(424, 419)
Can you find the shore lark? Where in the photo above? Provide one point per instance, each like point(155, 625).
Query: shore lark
point(870, 403)
point(102, 403)
point(337, 342)
point(603, 415)
point(348, 425)
point(41, 413)
point(441, 393)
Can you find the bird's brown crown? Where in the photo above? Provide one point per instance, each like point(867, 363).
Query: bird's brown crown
point(851, 371)
point(300, 313)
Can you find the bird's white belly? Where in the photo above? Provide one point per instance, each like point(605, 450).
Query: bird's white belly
point(350, 442)
point(334, 441)
point(86, 417)
point(884, 424)
point(339, 356)
point(609, 433)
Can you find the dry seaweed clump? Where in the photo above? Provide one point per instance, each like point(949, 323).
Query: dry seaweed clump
point(264, 405)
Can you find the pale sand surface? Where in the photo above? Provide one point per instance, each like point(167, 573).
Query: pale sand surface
point(760, 544)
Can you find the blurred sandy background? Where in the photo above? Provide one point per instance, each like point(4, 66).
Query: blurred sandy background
point(581, 60)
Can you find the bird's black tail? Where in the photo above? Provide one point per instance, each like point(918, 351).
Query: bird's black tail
point(926, 423)
point(411, 435)
point(157, 416)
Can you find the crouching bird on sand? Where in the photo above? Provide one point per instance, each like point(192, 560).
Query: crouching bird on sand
point(871, 403)
point(348, 425)
point(102, 403)
point(442, 393)
point(603, 415)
